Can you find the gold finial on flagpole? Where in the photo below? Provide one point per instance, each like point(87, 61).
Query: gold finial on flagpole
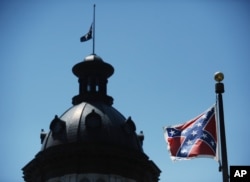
point(218, 76)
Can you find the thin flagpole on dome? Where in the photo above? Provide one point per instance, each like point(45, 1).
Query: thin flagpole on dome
point(93, 30)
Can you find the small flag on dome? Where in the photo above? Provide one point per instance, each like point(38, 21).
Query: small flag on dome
point(87, 36)
point(195, 138)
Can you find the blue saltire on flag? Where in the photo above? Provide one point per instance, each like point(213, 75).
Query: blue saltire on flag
point(88, 35)
point(194, 138)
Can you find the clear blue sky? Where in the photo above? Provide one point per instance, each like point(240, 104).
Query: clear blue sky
point(165, 54)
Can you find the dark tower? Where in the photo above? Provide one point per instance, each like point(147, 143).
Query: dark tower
point(91, 141)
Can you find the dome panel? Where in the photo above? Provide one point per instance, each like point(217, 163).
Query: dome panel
point(72, 116)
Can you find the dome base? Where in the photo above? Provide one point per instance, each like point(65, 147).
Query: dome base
point(85, 158)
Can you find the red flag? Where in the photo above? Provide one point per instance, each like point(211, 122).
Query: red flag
point(195, 138)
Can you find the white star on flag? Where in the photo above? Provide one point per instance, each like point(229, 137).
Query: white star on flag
point(172, 132)
point(194, 132)
point(189, 142)
point(184, 151)
point(199, 124)
point(204, 135)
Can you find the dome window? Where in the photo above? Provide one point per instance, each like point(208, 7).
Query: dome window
point(58, 128)
point(129, 126)
point(93, 120)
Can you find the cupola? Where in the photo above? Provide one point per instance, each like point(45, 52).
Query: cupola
point(93, 74)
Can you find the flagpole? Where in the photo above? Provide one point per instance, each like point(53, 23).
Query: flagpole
point(219, 89)
point(94, 31)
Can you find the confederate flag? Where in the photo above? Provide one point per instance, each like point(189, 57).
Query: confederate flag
point(195, 138)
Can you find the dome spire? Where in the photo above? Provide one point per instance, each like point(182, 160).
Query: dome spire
point(93, 74)
point(94, 30)
point(91, 32)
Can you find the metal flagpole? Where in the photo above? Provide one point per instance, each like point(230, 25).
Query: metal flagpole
point(94, 31)
point(219, 89)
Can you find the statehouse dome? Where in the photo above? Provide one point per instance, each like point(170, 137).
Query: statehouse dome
point(91, 139)
point(92, 118)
